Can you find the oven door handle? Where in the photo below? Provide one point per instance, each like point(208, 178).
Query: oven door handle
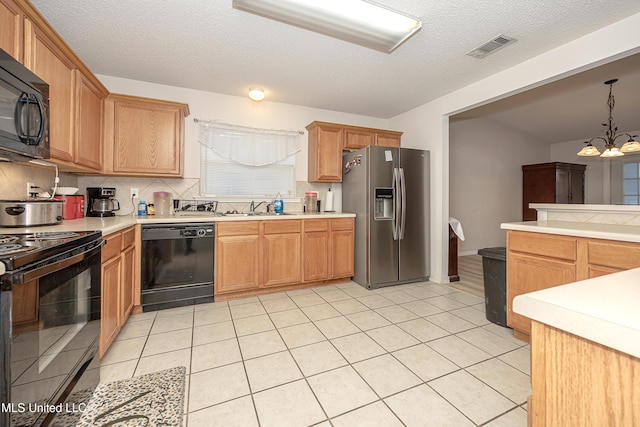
point(60, 265)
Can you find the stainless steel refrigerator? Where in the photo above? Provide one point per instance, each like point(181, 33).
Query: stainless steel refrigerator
point(388, 190)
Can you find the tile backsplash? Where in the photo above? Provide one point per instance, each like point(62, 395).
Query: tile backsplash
point(14, 178)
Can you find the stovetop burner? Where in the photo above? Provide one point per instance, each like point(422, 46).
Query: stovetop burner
point(12, 248)
point(4, 239)
point(50, 236)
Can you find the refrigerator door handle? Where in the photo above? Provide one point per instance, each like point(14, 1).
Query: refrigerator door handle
point(403, 204)
point(395, 218)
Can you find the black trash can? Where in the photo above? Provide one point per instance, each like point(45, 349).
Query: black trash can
point(494, 266)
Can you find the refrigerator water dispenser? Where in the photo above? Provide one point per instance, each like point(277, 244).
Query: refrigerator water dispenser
point(383, 204)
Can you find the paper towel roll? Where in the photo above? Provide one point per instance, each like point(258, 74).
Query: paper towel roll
point(328, 201)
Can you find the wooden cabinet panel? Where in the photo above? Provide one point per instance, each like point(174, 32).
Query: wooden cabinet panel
point(110, 318)
point(315, 255)
point(577, 382)
point(388, 139)
point(282, 259)
point(325, 152)
point(282, 226)
point(341, 254)
point(46, 60)
point(24, 304)
point(528, 274)
point(88, 136)
point(237, 228)
point(11, 25)
point(355, 138)
point(237, 265)
point(112, 246)
point(128, 281)
point(144, 137)
point(549, 245)
point(616, 255)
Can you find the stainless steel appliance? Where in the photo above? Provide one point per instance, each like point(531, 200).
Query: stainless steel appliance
point(101, 201)
point(388, 190)
point(30, 212)
point(24, 112)
point(177, 265)
point(50, 322)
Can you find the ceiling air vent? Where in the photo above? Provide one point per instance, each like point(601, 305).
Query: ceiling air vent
point(491, 46)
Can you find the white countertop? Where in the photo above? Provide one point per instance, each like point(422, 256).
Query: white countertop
point(603, 309)
point(625, 233)
point(115, 223)
point(578, 207)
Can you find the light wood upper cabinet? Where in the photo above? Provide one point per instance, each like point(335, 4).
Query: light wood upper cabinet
point(144, 137)
point(388, 138)
point(325, 152)
point(51, 64)
point(355, 138)
point(328, 140)
point(88, 131)
point(12, 32)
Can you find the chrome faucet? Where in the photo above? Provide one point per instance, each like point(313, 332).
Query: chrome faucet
point(253, 206)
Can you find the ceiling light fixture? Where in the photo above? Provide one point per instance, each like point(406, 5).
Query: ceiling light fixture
point(256, 94)
point(610, 149)
point(355, 21)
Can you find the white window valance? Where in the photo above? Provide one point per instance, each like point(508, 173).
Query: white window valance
point(248, 146)
point(238, 160)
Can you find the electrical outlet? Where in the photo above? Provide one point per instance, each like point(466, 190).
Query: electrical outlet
point(134, 193)
point(29, 190)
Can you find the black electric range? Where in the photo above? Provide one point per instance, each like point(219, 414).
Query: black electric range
point(21, 250)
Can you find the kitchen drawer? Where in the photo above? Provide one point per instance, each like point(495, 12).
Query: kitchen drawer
point(342, 224)
point(239, 228)
point(112, 246)
point(547, 245)
point(316, 225)
point(128, 237)
point(282, 226)
point(619, 255)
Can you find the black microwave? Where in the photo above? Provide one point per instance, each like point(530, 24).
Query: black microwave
point(24, 112)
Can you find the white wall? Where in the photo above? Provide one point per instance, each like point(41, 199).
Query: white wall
point(427, 126)
point(485, 179)
point(236, 110)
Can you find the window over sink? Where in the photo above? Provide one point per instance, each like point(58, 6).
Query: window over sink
point(243, 161)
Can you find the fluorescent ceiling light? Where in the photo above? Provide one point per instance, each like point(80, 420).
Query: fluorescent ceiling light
point(355, 21)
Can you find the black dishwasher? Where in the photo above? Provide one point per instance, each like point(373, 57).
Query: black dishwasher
point(176, 265)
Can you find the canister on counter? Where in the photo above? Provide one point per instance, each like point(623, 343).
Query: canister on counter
point(311, 202)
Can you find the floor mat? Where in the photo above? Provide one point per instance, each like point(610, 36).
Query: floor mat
point(155, 399)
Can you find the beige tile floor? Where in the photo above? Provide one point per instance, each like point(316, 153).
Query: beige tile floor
point(420, 354)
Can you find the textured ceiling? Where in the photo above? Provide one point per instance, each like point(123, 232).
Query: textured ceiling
point(208, 45)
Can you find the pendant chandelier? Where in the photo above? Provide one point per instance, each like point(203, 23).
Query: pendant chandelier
point(611, 135)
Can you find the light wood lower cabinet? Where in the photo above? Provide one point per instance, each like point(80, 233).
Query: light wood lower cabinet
point(577, 382)
point(237, 256)
point(118, 284)
point(282, 242)
point(538, 261)
point(258, 255)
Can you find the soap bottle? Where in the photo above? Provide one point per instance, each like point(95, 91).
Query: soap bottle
point(278, 204)
point(142, 208)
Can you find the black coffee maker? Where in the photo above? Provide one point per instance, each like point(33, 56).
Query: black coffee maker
point(101, 201)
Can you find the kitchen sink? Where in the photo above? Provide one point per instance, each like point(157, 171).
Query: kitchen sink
point(241, 214)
